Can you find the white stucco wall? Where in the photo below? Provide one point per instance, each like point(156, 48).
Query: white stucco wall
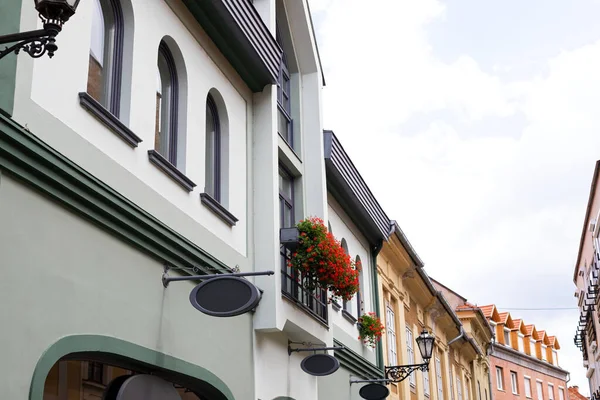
point(343, 228)
point(54, 84)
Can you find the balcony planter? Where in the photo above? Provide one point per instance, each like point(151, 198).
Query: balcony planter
point(322, 262)
point(370, 329)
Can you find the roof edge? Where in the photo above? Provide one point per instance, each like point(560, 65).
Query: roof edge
point(587, 216)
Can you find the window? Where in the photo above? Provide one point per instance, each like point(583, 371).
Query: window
point(544, 353)
point(521, 344)
point(459, 388)
point(346, 304)
point(95, 372)
point(284, 119)
point(561, 393)
point(286, 199)
point(467, 384)
point(499, 378)
point(359, 293)
point(513, 382)
point(439, 380)
point(532, 351)
point(213, 150)
point(167, 105)
point(106, 55)
point(528, 387)
point(313, 302)
point(554, 357)
point(550, 391)
point(391, 335)
point(426, 383)
point(410, 353)
point(451, 384)
point(540, 390)
point(507, 337)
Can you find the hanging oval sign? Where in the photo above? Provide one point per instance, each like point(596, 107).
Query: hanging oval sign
point(374, 391)
point(225, 296)
point(320, 364)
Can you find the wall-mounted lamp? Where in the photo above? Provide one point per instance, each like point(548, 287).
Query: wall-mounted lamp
point(53, 13)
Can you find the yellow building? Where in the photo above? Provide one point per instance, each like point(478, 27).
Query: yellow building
point(410, 303)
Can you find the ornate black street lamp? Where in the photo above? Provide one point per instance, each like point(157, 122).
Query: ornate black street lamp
point(399, 373)
point(375, 390)
point(53, 13)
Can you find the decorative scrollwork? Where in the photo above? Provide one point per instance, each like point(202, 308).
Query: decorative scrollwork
point(35, 47)
point(399, 373)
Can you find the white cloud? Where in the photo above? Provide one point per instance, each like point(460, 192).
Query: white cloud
point(496, 216)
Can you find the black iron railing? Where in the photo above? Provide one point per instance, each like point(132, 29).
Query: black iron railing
point(292, 286)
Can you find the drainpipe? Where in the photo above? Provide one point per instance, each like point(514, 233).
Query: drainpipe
point(460, 336)
point(490, 351)
point(374, 252)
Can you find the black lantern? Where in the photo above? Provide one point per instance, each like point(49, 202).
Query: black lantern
point(398, 373)
point(53, 13)
point(425, 343)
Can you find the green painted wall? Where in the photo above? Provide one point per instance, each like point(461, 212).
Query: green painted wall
point(64, 276)
point(10, 17)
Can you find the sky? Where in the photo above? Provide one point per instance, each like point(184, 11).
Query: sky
point(476, 124)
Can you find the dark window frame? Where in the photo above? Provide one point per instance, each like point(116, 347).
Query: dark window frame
point(215, 169)
point(284, 95)
point(95, 372)
point(116, 60)
point(345, 303)
point(358, 293)
point(173, 106)
point(314, 303)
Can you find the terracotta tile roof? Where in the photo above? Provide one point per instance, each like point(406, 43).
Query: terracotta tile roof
point(540, 335)
point(503, 317)
point(487, 310)
point(516, 323)
point(466, 306)
point(552, 340)
point(529, 329)
point(575, 395)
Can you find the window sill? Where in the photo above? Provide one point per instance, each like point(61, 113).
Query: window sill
point(218, 209)
point(289, 146)
point(108, 119)
point(169, 169)
point(336, 306)
point(349, 317)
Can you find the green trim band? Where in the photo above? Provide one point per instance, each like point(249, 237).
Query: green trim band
point(356, 363)
point(28, 158)
point(110, 345)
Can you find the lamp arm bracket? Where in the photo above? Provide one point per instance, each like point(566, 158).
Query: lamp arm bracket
point(399, 373)
point(35, 43)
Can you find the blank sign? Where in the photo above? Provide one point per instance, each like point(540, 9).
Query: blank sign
point(225, 296)
point(147, 387)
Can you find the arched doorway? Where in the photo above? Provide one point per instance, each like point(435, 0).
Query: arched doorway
point(92, 367)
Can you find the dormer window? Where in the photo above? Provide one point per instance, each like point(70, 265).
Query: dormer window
point(507, 337)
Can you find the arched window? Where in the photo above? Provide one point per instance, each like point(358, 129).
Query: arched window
point(213, 150)
point(359, 294)
point(167, 105)
point(344, 245)
point(105, 70)
point(217, 149)
point(329, 227)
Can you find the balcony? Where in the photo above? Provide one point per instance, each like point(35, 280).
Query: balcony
point(292, 287)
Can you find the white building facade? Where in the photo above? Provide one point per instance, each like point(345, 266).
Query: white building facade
point(173, 134)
